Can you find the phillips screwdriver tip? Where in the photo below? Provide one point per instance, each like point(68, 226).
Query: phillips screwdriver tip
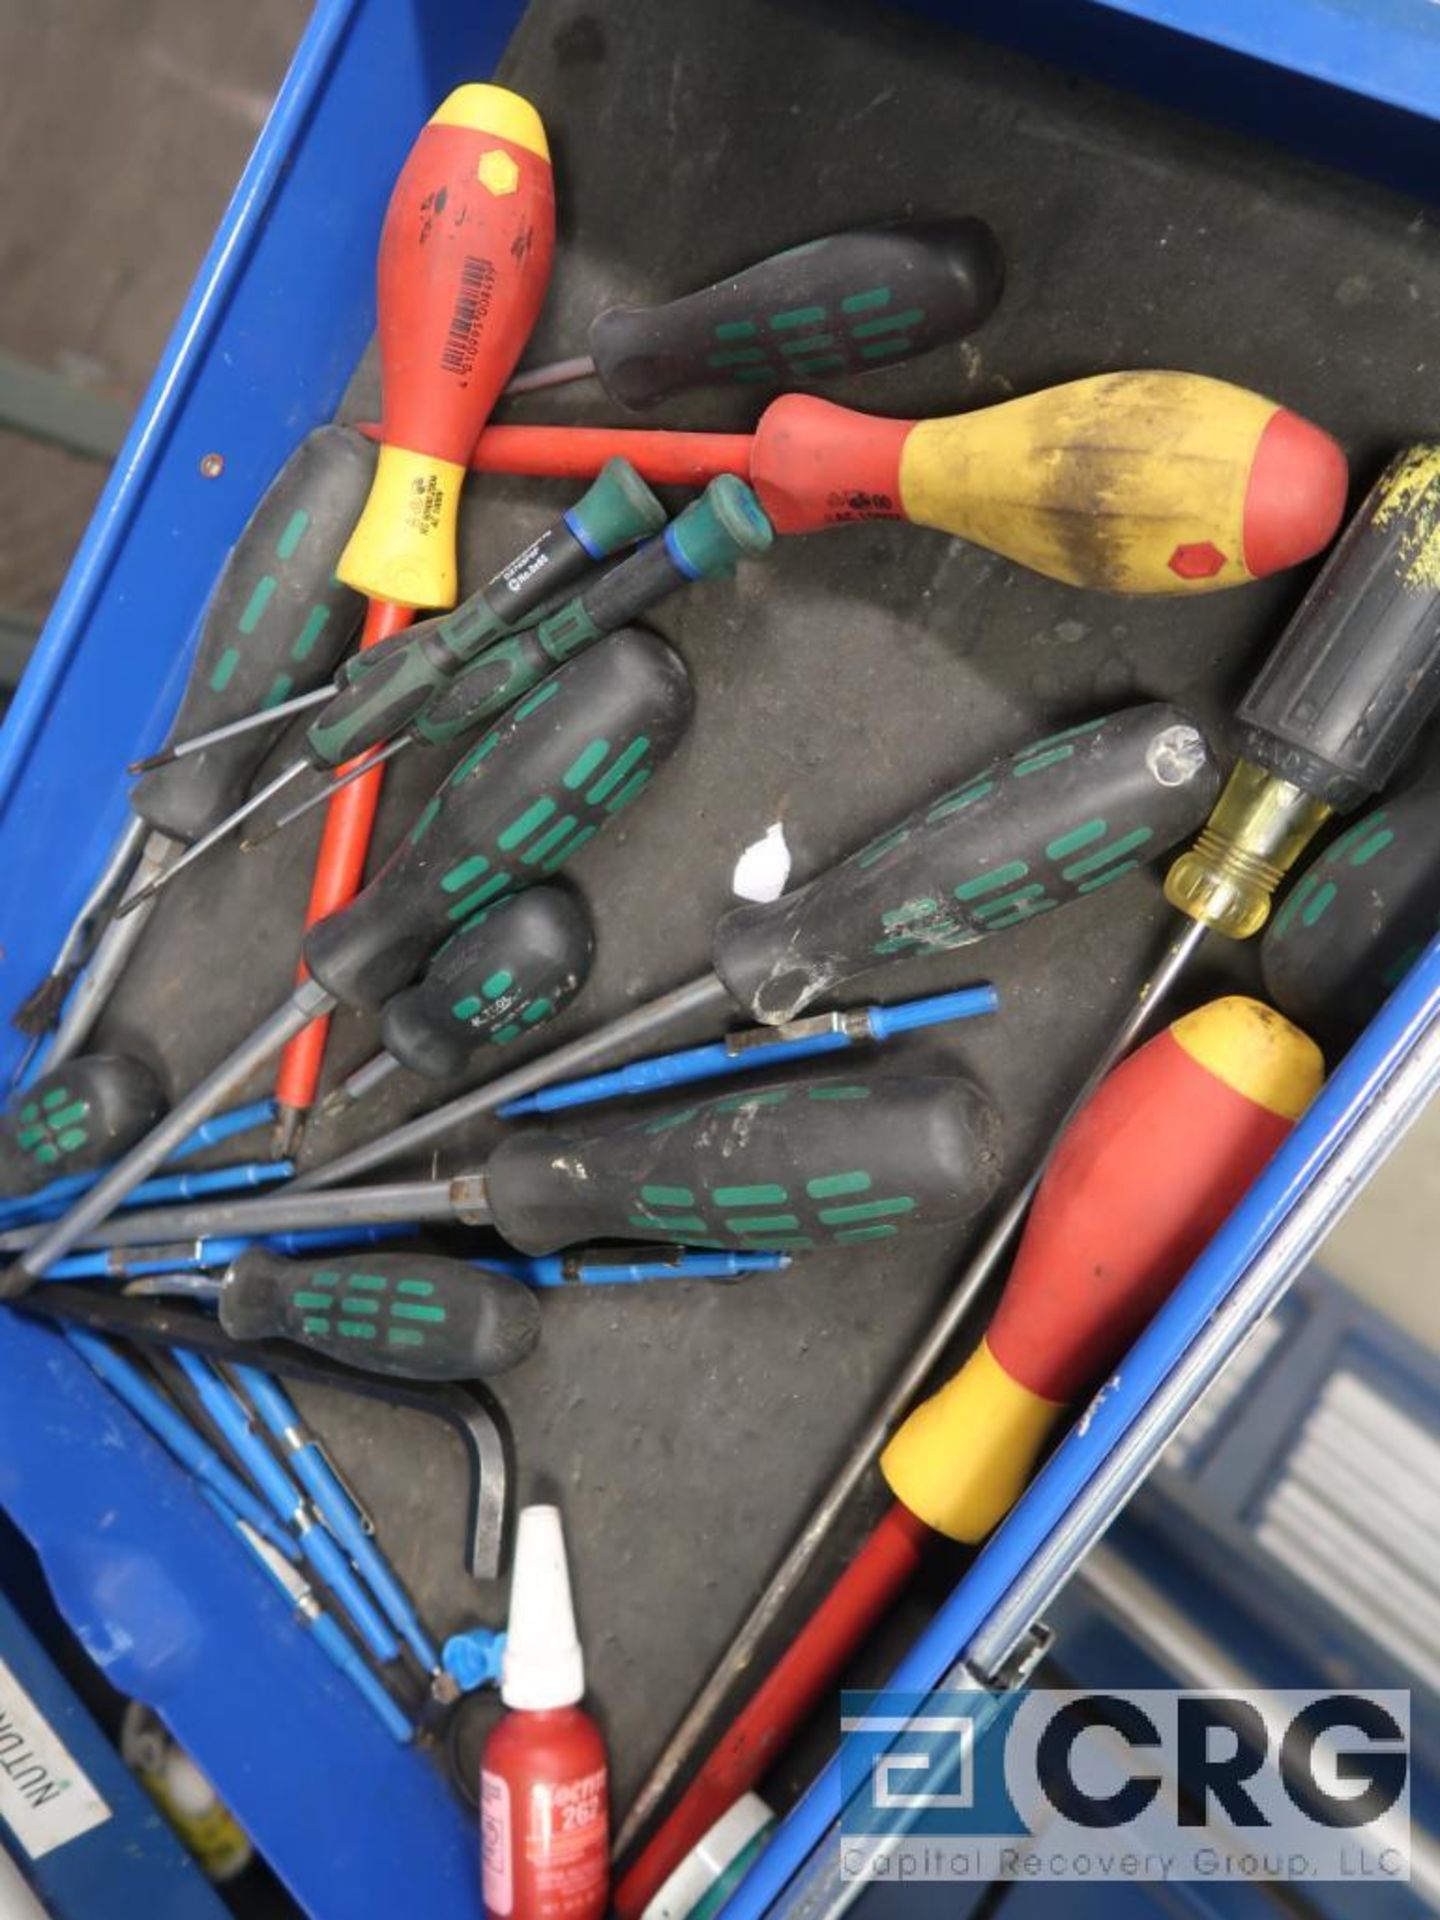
point(289, 1131)
point(335, 1103)
point(151, 760)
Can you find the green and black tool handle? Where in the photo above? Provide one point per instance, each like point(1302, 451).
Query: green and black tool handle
point(278, 623)
point(818, 1162)
point(1358, 918)
point(522, 802)
point(615, 511)
point(848, 303)
point(277, 620)
point(705, 542)
point(516, 965)
point(1057, 821)
point(76, 1119)
point(409, 1315)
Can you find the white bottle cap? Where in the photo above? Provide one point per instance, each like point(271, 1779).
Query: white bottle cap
point(543, 1664)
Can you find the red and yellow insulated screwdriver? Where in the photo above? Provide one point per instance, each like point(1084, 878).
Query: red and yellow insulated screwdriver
point(1131, 482)
point(849, 303)
point(464, 263)
point(1140, 1179)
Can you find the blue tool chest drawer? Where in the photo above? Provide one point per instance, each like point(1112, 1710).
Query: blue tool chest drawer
point(1082, 139)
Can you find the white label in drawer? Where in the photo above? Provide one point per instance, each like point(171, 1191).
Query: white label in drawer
point(45, 1796)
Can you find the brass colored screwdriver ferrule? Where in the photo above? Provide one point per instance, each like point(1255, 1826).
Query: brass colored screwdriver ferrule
point(1260, 827)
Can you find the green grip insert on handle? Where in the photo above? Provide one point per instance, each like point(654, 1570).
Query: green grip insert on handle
point(277, 623)
point(523, 801)
point(821, 1162)
point(1355, 922)
point(1063, 818)
point(412, 1316)
point(513, 967)
point(76, 1119)
point(845, 304)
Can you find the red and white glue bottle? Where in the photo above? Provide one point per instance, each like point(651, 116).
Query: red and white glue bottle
point(544, 1784)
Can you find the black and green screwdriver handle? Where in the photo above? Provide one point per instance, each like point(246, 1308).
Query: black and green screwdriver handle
point(514, 966)
point(409, 1315)
point(1359, 917)
point(705, 542)
point(820, 1162)
point(848, 303)
point(76, 1119)
point(277, 624)
point(540, 785)
point(277, 620)
point(1061, 819)
point(1354, 677)
point(615, 511)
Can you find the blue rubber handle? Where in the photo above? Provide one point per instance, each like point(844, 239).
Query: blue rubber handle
point(716, 1060)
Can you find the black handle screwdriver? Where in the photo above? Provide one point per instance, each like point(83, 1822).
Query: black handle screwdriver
point(616, 510)
point(513, 967)
point(849, 303)
point(522, 802)
point(381, 697)
point(436, 699)
point(1359, 917)
point(277, 619)
point(1339, 702)
point(76, 1118)
point(823, 1161)
point(1057, 821)
point(409, 1315)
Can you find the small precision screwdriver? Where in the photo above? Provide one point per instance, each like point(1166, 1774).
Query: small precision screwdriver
point(1357, 920)
point(159, 1273)
point(332, 1500)
point(1148, 482)
point(445, 690)
point(1353, 678)
point(513, 967)
point(494, 823)
point(177, 1435)
point(755, 1048)
point(139, 1264)
point(833, 1162)
point(616, 510)
point(1142, 1176)
point(1060, 819)
point(327, 1635)
point(278, 620)
point(236, 1425)
point(76, 1119)
point(848, 303)
point(374, 704)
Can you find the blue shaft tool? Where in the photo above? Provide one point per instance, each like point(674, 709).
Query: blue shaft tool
point(247, 1174)
point(328, 1637)
point(175, 1433)
point(605, 1270)
point(336, 1508)
point(210, 1133)
point(194, 1256)
point(757, 1047)
point(232, 1418)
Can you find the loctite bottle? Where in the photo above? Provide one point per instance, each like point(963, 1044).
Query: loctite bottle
point(544, 1782)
